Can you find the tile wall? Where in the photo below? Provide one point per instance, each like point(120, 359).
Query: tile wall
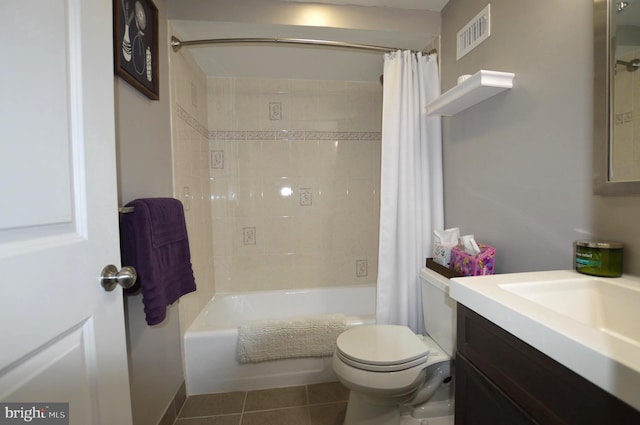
point(626, 130)
point(294, 172)
point(191, 176)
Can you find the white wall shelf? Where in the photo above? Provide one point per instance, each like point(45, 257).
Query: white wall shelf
point(475, 89)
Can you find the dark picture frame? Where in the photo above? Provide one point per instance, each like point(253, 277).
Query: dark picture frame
point(135, 44)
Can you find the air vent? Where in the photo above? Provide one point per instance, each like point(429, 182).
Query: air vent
point(475, 32)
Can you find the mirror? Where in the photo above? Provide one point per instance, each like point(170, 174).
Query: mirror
point(616, 85)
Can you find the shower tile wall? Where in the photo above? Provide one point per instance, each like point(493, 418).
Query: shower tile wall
point(191, 176)
point(626, 129)
point(295, 169)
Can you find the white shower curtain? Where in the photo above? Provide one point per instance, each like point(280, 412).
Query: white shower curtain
point(411, 198)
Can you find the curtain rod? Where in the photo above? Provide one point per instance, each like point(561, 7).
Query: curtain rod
point(177, 44)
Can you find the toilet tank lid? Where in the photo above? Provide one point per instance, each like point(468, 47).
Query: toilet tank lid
point(381, 345)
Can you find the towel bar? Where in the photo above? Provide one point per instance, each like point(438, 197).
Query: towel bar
point(126, 210)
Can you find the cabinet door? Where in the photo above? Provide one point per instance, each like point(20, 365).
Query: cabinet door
point(542, 387)
point(480, 402)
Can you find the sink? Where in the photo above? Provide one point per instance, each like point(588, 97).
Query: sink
point(589, 324)
point(610, 306)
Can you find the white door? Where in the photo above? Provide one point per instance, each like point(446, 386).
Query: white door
point(62, 337)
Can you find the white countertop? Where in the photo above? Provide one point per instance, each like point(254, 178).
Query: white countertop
point(611, 362)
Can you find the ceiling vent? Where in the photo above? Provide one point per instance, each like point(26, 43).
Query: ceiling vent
point(475, 32)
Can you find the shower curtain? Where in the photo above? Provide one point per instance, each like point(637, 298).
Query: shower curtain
point(411, 188)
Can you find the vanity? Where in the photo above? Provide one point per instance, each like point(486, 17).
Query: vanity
point(553, 347)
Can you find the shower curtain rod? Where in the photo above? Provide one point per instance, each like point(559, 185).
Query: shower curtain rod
point(176, 43)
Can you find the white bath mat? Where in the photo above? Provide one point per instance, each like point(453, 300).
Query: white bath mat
point(311, 336)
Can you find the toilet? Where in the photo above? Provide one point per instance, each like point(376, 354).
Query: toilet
point(396, 377)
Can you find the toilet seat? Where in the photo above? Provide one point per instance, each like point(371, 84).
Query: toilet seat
point(381, 348)
point(381, 368)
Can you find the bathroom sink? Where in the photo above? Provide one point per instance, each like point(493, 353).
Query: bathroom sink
point(603, 303)
point(589, 324)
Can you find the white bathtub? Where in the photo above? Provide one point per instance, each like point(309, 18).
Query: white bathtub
point(210, 343)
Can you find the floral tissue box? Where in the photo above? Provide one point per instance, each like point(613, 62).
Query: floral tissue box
point(441, 254)
point(470, 265)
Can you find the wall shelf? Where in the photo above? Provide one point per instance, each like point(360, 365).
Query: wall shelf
point(475, 89)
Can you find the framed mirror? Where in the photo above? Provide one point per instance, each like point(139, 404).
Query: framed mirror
point(616, 97)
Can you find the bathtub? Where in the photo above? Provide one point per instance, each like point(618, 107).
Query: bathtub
point(210, 343)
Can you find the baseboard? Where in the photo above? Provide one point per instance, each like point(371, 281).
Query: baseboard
point(174, 407)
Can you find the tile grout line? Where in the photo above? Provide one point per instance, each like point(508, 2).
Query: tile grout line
point(276, 408)
point(308, 406)
point(244, 405)
point(306, 391)
point(208, 416)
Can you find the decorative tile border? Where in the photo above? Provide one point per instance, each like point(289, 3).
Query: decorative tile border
point(290, 135)
point(275, 135)
point(191, 121)
point(294, 135)
point(228, 135)
point(261, 135)
point(342, 135)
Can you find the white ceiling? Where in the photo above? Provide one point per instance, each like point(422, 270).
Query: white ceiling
point(404, 24)
point(435, 5)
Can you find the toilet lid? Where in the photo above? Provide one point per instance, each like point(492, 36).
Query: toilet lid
point(381, 348)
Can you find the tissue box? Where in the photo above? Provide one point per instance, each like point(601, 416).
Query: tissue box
point(470, 265)
point(441, 254)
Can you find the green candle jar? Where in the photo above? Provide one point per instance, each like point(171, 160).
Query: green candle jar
point(599, 258)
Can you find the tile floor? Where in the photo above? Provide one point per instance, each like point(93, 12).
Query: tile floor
point(316, 404)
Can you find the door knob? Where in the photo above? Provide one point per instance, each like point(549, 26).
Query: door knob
point(111, 277)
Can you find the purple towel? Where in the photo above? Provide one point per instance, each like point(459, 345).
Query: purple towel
point(154, 241)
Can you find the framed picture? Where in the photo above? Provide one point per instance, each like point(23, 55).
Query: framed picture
point(135, 44)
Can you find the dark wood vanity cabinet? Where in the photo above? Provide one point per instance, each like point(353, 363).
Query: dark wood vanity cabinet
point(502, 380)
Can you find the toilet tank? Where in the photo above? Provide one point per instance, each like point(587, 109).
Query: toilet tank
point(438, 309)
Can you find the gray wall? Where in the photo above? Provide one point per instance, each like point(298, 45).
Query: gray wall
point(518, 166)
point(143, 134)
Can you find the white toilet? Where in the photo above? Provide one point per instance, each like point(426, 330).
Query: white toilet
point(395, 376)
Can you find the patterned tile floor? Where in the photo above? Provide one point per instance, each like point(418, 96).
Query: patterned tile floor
point(317, 404)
